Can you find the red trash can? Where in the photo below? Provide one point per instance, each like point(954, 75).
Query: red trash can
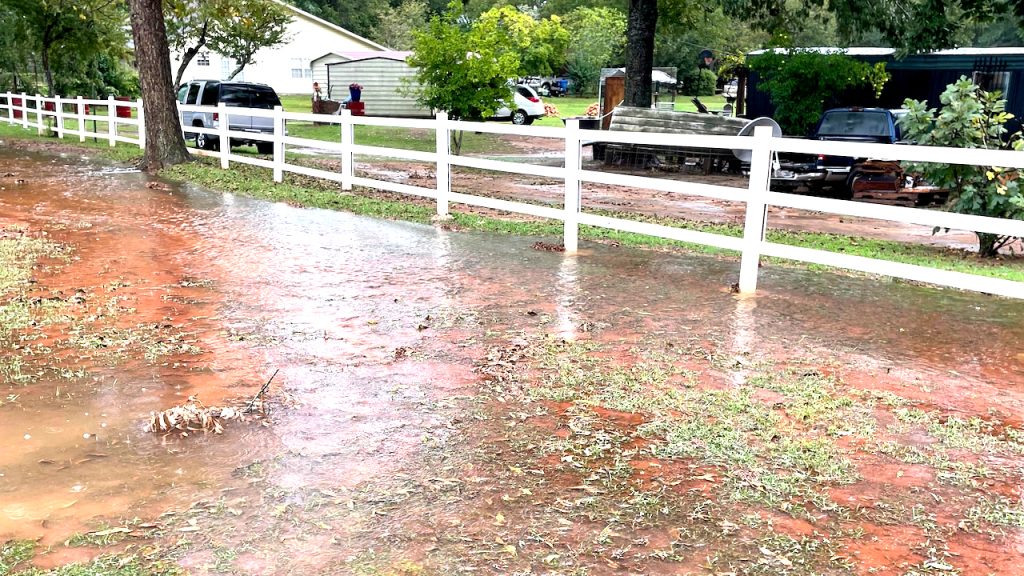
point(16, 102)
point(123, 111)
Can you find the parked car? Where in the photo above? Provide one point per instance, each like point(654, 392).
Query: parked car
point(548, 85)
point(233, 95)
point(527, 106)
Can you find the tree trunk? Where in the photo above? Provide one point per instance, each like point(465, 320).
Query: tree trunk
point(165, 145)
point(990, 244)
point(47, 71)
point(643, 17)
point(237, 71)
point(189, 54)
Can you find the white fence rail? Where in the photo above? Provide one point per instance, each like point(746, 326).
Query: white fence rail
point(79, 111)
point(757, 197)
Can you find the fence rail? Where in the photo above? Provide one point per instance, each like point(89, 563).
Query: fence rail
point(757, 197)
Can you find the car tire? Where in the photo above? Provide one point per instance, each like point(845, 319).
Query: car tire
point(265, 147)
point(206, 142)
point(521, 118)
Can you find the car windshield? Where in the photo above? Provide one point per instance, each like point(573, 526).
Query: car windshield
point(854, 124)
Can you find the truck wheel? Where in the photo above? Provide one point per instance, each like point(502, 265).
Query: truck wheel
point(206, 142)
point(520, 118)
point(265, 147)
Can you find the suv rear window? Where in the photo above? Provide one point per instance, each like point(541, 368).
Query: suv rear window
point(264, 98)
point(854, 124)
point(236, 96)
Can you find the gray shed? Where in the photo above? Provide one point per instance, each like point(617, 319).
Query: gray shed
point(381, 76)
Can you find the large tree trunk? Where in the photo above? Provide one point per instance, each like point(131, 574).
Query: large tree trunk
point(189, 54)
point(164, 143)
point(643, 17)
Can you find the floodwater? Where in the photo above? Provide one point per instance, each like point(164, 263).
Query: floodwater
point(332, 300)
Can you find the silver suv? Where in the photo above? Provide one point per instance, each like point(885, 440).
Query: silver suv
point(235, 95)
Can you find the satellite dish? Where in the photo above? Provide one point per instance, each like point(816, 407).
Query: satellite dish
point(748, 130)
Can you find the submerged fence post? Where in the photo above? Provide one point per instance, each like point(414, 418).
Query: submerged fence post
point(142, 123)
point(757, 211)
point(80, 115)
point(278, 144)
point(347, 140)
point(571, 229)
point(111, 120)
point(223, 126)
point(58, 109)
point(443, 174)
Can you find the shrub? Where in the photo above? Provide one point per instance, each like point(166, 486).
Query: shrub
point(970, 118)
point(802, 84)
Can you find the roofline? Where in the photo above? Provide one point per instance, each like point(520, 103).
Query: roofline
point(874, 51)
point(334, 27)
point(364, 60)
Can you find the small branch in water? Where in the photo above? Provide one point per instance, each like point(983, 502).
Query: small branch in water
point(259, 395)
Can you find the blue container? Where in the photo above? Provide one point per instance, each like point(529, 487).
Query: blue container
point(355, 94)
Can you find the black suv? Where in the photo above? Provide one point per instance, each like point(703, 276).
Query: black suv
point(232, 94)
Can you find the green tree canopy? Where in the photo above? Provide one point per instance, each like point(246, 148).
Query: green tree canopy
point(249, 26)
point(597, 37)
point(465, 68)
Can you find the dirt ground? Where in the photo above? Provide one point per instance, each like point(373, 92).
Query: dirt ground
point(452, 404)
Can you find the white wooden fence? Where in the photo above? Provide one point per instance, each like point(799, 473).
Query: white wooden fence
point(80, 111)
point(757, 197)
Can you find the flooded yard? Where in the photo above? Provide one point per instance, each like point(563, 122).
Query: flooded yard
point(461, 403)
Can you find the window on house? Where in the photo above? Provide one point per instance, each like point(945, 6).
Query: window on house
point(203, 59)
point(299, 69)
point(992, 81)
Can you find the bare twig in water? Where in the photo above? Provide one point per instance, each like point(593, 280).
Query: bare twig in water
point(259, 395)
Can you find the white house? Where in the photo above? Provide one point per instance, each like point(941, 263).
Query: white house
point(286, 67)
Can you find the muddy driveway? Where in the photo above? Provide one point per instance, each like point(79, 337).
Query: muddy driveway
point(461, 403)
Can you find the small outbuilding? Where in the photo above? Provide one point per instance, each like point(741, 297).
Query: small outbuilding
point(384, 77)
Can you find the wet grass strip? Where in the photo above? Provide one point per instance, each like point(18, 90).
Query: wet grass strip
point(305, 191)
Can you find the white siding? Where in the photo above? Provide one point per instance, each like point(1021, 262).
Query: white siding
point(320, 69)
point(306, 39)
point(381, 80)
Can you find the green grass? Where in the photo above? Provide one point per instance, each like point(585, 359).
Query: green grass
point(120, 152)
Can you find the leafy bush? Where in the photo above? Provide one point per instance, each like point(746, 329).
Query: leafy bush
point(970, 118)
point(803, 84)
point(706, 81)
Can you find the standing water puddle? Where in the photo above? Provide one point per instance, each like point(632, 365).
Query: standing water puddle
point(208, 294)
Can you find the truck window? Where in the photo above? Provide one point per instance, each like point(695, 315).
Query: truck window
point(210, 93)
point(182, 92)
point(193, 92)
point(234, 96)
point(264, 98)
point(854, 124)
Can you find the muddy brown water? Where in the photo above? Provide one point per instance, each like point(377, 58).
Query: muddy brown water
point(329, 297)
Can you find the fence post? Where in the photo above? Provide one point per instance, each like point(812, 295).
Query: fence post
point(223, 125)
point(10, 108)
point(24, 111)
point(142, 123)
point(347, 140)
point(571, 230)
point(111, 120)
point(81, 119)
point(39, 114)
point(757, 212)
point(443, 174)
point(58, 110)
point(278, 144)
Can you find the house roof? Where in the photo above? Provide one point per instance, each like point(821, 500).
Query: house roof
point(871, 51)
point(329, 25)
point(398, 55)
